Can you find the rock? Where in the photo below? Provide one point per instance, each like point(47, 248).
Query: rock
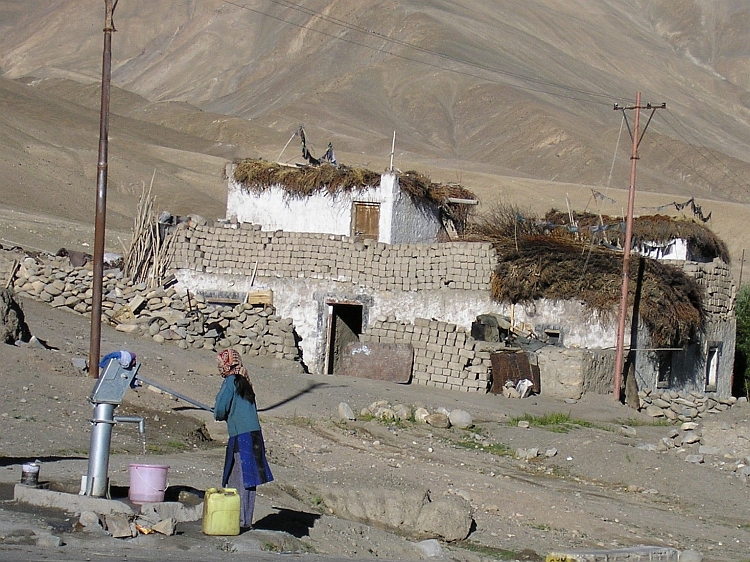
point(402, 412)
point(461, 419)
point(385, 414)
point(47, 540)
point(420, 415)
point(159, 511)
point(690, 556)
point(345, 412)
point(690, 437)
point(695, 459)
point(524, 424)
point(510, 392)
point(438, 420)
point(654, 412)
point(430, 548)
point(449, 518)
point(13, 325)
point(549, 453)
point(744, 473)
point(166, 526)
point(527, 454)
point(80, 363)
point(90, 520)
point(118, 525)
point(689, 426)
point(380, 506)
point(628, 431)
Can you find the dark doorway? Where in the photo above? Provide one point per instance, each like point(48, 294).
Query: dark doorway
point(345, 326)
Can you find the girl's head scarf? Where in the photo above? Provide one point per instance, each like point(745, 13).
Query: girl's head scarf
point(230, 363)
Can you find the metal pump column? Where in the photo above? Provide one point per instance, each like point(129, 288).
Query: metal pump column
point(108, 393)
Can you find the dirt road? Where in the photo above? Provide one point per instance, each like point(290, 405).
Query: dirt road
point(592, 484)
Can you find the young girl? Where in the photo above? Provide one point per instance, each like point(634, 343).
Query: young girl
point(245, 465)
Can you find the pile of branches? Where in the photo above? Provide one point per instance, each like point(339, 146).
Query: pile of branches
point(659, 229)
point(148, 258)
point(301, 181)
point(535, 263)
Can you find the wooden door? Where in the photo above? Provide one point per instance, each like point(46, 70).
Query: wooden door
point(366, 220)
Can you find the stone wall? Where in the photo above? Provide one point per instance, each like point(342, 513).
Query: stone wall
point(231, 248)
point(682, 406)
point(163, 314)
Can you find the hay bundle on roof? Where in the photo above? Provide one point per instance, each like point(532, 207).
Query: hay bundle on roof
point(659, 229)
point(259, 175)
point(302, 181)
point(534, 264)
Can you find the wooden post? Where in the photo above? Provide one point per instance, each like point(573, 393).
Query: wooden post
point(626, 258)
point(101, 195)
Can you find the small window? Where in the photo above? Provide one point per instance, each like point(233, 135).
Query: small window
point(553, 337)
point(713, 355)
point(664, 379)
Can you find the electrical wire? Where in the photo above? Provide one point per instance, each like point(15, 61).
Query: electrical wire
point(359, 29)
point(539, 84)
point(713, 160)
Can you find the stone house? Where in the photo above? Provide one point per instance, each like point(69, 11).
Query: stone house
point(403, 302)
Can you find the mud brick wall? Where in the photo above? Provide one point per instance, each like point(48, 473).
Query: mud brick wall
point(445, 356)
point(226, 248)
point(715, 279)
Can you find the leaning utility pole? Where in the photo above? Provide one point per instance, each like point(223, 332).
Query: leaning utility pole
point(101, 195)
point(619, 361)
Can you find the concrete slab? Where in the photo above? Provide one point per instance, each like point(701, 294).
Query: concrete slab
point(633, 554)
point(68, 502)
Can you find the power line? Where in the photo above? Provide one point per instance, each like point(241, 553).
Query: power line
point(725, 171)
point(572, 92)
point(443, 56)
point(688, 166)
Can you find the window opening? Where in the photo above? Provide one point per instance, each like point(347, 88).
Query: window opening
point(712, 365)
point(553, 337)
point(664, 379)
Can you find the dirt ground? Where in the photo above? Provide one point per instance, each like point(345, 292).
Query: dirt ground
point(600, 490)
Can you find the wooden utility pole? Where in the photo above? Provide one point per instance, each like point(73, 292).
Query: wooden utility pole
point(619, 359)
point(101, 194)
point(742, 265)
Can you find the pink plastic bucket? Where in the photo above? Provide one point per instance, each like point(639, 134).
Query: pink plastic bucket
point(148, 482)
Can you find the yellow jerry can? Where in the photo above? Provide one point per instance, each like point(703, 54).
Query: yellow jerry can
point(221, 512)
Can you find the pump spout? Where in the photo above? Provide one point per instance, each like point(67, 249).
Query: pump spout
point(133, 419)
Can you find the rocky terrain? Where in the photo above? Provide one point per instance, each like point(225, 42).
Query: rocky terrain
point(532, 475)
point(513, 102)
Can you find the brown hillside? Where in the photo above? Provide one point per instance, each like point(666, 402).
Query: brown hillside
point(507, 100)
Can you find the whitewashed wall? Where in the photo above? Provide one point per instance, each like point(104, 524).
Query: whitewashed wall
point(305, 301)
point(676, 249)
point(402, 221)
point(411, 222)
point(273, 209)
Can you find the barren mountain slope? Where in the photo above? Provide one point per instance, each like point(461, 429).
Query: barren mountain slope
point(471, 89)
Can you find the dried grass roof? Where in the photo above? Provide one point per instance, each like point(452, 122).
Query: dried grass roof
point(535, 264)
point(660, 229)
point(302, 181)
